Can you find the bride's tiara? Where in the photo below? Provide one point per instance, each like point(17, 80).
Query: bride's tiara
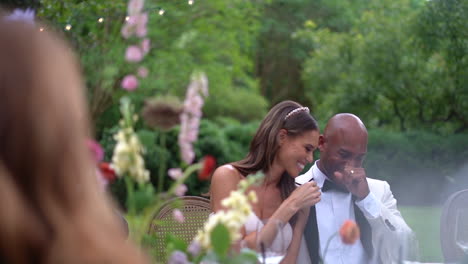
point(297, 110)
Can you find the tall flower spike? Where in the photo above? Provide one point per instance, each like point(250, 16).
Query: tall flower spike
point(190, 117)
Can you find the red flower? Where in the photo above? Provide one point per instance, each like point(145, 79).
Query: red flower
point(209, 165)
point(349, 232)
point(107, 172)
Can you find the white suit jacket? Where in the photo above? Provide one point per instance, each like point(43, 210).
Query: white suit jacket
point(390, 233)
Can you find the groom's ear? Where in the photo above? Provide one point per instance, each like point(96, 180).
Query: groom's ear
point(321, 143)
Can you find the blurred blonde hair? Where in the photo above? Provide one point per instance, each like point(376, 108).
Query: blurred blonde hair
point(53, 210)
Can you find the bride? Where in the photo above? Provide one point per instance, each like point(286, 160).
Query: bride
point(282, 146)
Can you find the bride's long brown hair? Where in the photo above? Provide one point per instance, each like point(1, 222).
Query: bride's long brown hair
point(53, 210)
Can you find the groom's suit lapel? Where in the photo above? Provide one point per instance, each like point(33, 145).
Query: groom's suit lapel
point(312, 236)
point(366, 231)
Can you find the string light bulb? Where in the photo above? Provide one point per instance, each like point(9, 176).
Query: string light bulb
point(161, 12)
point(190, 2)
point(68, 27)
point(127, 18)
point(100, 20)
point(41, 29)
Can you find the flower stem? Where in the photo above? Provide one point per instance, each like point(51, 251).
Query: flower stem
point(130, 200)
point(190, 169)
point(327, 245)
point(162, 162)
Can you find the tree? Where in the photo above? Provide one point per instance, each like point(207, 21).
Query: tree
point(280, 55)
point(212, 36)
point(380, 70)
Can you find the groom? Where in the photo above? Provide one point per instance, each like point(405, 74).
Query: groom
point(348, 194)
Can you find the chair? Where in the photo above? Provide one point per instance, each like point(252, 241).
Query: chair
point(454, 227)
point(196, 211)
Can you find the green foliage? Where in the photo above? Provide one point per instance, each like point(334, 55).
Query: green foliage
point(246, 257)
point(387, 69)
point(220, 234)
point(227, 143)
point(217, 37)
point(280, 54)
point(99, 45)
point(175, 243)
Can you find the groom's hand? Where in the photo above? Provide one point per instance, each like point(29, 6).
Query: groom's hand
point(355, 180)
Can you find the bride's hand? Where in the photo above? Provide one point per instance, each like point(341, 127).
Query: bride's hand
point(305, 196)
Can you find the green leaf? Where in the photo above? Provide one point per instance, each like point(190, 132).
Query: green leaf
point(221, 240)
point(149, 240)
point(147, 137)
point(143, 196)
point(175, 243)
point(247, 256)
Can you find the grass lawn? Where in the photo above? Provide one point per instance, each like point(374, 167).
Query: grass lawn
point(425, 222)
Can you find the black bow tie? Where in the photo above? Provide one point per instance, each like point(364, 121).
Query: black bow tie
point(329, 185)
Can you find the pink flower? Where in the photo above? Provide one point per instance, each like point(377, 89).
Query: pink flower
point(142, 72)
point(175, 173)
point(180, 190)
point(132, 20)
point(127, 31)
point(135, 6)
point(141, 25)
point(190, 118)
point(145, 45)
point(130, 83)
point(187, 153)
point(178, 215)
point(192, 135)
point(96, 150)
point(133, 54)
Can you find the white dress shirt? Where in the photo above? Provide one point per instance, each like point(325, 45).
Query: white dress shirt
point(334, 208)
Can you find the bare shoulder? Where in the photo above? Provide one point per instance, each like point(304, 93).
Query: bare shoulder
point(226, 175)
point(223, 181)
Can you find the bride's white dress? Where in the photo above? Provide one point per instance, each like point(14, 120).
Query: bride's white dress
point(251, 226)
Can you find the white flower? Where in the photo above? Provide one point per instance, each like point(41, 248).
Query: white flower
point(127, 157)
point(233, 219)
